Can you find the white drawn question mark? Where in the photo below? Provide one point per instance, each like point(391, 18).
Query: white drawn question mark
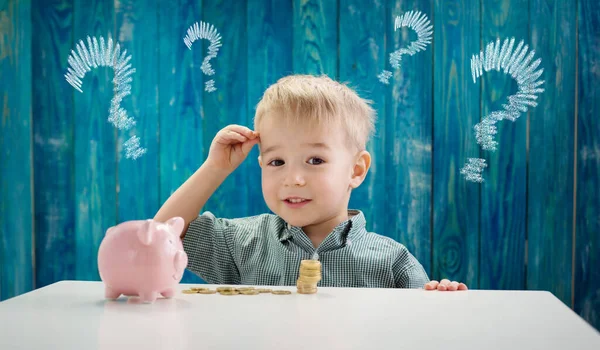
point(417, 21)
point(106, 55)
point(203, 30)
point(520, 67)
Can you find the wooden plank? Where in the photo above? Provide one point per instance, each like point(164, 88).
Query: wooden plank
point(504, 192)
point(180, 90)
point(16, 190)
point(269, 58)
point(228, 104)
point(456, 111)
point(315, 37)
point(587, 253)
point(551, 133)
point(95, 144)
point(361, 57)
point(137, 190)
point(53, 147)
point(408, 137)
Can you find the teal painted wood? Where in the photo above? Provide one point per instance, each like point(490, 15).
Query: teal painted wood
point(456, 111)
point(137, 190)
point(53, 126)
point(408, 137)
point(551, 132)
point(16, 206)
point(227, 105)
point(587, 253)
point(361, 57)
point(315, 37)
point(95, 144)
point(269, 31)
point(503, 195)
point(180, 95)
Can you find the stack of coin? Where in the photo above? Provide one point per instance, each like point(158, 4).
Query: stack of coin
point(309, 276)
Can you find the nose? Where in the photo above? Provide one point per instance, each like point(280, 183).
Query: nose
point(294, 177)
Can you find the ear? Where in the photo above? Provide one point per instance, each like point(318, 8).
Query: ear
point(176, 223)
point(360, 168)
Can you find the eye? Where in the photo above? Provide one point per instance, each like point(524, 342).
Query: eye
point(276, 162)
point(315, 161)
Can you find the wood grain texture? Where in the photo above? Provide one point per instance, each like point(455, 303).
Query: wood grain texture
point(361, 56)
point(408, 136)
point(137, 184)
point(456, 111)
point(587, 253)
point(53, 150)
point(180, 87)
point(551, 137)
point(503, 195)
point(228, 104)
point(269, 28)
point(316, 37)
point(95, 144)
point(16, 188)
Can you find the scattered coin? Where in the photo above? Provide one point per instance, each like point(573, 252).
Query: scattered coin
point(281, 292)
point(226, 289)
point(231, 292)
point(188, 291)
point(199, 288)
point(244, 288)
point(249, 292)
point(207, 291)
point(264, 290)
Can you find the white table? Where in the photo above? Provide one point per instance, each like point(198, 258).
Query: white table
point(74, 315)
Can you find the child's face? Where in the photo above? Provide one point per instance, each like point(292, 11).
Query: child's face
point(312, 167)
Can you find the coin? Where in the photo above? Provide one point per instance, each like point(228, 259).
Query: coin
point(188, 291)
point(250, 292)
point(244, 289)
point(309, 280)
point(207, 291)
point(199, 288)
point(310, 264)
point(281, 292)
point(264, 290)
point(304, 271)
point(231, 292)
point(226, 289)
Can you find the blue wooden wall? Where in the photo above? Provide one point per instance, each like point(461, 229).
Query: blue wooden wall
point(533, 224)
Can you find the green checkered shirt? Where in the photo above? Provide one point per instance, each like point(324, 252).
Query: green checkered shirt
point(265, 250)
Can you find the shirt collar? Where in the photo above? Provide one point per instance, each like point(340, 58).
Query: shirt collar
point(342, 235)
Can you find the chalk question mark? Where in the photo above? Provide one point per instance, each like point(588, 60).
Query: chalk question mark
point(101, 55)
point(207, 31)
point(417, 21)
point(523, 71)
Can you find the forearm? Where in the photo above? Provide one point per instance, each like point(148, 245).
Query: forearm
point(191, 196)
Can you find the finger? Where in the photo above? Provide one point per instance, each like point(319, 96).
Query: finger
point(247, 146)
point(453, 286)
point(445, 282)
point(462, 286)
point(229, 135)
point(242, 130)
point(432, 285)
point(441, 287)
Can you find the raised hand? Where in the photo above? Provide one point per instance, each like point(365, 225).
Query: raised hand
point(231, 146)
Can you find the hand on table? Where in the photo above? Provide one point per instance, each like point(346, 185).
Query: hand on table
point(445, 285)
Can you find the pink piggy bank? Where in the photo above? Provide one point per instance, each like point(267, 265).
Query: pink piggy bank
point(142, 258)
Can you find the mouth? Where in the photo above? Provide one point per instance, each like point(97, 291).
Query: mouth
point(296, 202)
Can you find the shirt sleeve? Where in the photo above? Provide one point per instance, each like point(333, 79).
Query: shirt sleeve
point(409, 273)
point(208, 243)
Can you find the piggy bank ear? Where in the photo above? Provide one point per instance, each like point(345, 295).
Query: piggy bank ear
point(176, 224)
point(145, 234)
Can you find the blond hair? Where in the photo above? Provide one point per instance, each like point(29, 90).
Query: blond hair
point(318, 101)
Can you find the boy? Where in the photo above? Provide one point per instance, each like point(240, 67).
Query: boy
point(312, 134)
